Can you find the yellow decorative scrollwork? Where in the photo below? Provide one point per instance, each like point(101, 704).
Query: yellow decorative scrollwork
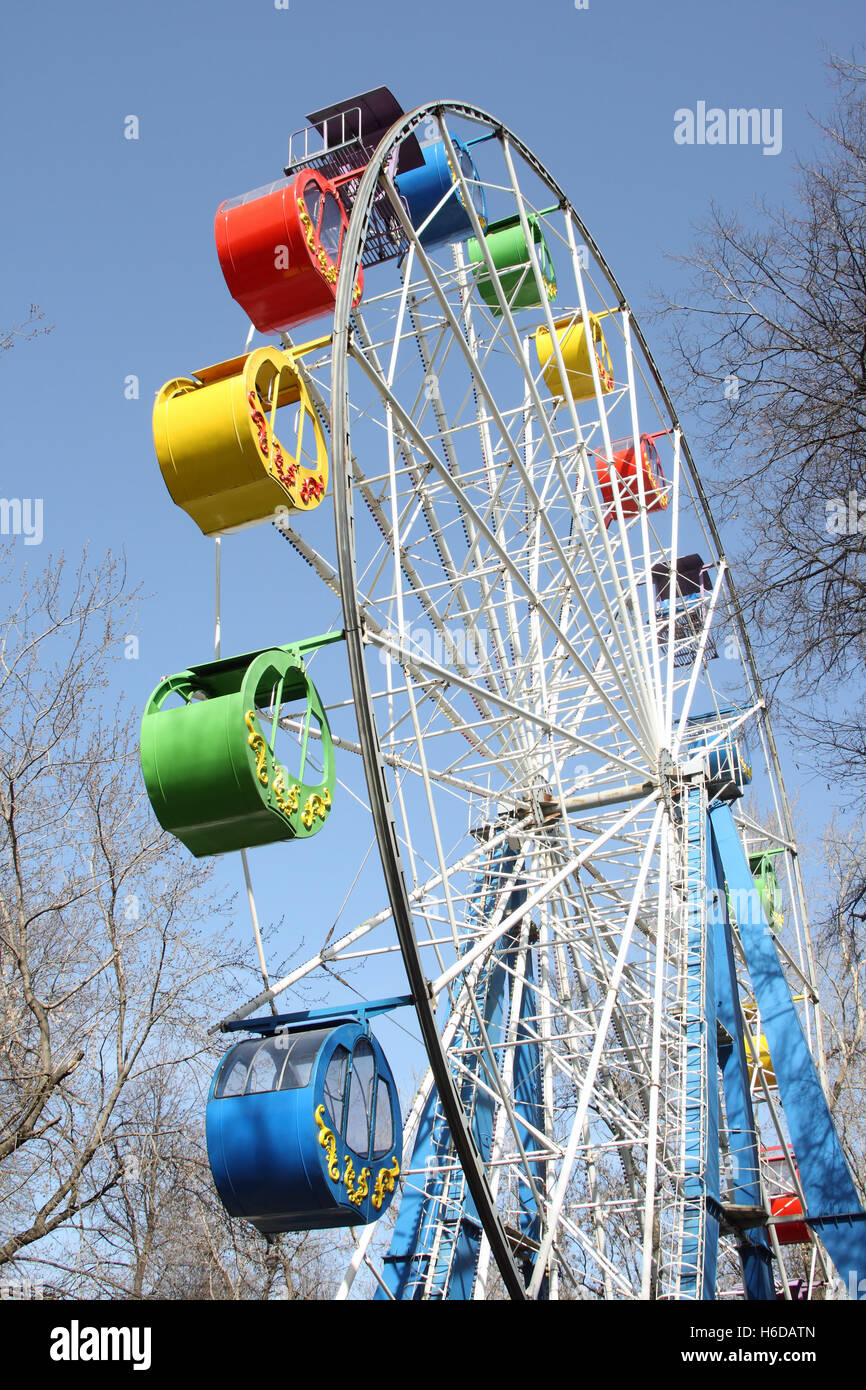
point(316, 805)
point(355, 1194)
point(286, 797)
point(385, 1180)
point(329, 1143)
point(258, 746)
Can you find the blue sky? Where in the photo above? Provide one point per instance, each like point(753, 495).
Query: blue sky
point(113, 238)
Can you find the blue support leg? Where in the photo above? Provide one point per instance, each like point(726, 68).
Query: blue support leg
point(833, 1209)
point(437, 1237)
point(702, 1207)
point(528, 1107)
point(754, 1249)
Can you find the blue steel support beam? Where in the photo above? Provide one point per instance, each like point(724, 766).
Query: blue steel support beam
point(437, 1235)
point(456, 1281)
point(438, 1232)
point(528, 1108)
point(400, 1268)
point(702, 1190)
point(754, 1249)
point(833, 1208)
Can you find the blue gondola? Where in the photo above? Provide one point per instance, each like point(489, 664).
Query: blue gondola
point(303, 1126)
point(424, 188)
point(729, 764)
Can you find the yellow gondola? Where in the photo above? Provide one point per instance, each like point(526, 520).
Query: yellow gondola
point(575, 357)
point(218, 450)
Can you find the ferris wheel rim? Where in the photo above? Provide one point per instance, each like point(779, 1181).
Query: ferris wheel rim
point(372, 753)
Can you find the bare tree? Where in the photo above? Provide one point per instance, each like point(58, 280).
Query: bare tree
point(161, 1231)
point(841, 950)
point(104, 953)
point(770, 347)
point(770, 350)
point(31, 327)
point(114, 960)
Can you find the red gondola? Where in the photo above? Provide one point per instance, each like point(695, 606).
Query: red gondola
point(790, 1232)
point(625, 469)
point(788, 1203)
point(279, 249)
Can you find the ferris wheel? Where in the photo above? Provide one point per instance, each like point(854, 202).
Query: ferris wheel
point(538, 693)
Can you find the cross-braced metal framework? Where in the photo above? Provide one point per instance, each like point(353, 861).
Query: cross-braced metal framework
point(522, 704)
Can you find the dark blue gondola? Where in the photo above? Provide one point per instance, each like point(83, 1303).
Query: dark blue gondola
point(728, 765)
point(303, 1126)
point(425, 187)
